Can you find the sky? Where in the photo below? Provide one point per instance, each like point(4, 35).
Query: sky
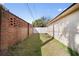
point(32, 11)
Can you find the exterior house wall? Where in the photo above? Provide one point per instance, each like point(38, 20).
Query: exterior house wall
point(50, 30)
point(66, 29)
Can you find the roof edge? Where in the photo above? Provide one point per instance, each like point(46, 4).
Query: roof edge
point(66, 12)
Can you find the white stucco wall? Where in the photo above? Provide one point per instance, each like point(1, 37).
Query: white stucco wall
point(66, 30)
point(40, 30)
point(50, 30)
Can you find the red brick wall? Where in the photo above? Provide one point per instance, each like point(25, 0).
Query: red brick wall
point(30, 29)
point(13, 29)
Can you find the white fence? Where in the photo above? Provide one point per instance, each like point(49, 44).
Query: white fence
point(40, 30)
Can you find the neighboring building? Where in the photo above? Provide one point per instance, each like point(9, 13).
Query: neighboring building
point(65, 27)
point(12, 29)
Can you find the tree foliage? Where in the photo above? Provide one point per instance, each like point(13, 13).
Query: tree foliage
point(41, 22)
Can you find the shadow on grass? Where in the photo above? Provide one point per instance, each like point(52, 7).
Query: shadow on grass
point(47, 41)
point(72, 52)
point(29, 47)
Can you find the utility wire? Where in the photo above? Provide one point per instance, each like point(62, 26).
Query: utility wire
point(30, 11)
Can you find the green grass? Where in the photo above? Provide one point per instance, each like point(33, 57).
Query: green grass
point(68, 50)
point(29, 47)
point(38, 45)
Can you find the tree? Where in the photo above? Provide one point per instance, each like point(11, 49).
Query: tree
point(41, 22)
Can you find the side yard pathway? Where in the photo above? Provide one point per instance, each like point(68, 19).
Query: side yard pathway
point(52, 47)
point(39, 45)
